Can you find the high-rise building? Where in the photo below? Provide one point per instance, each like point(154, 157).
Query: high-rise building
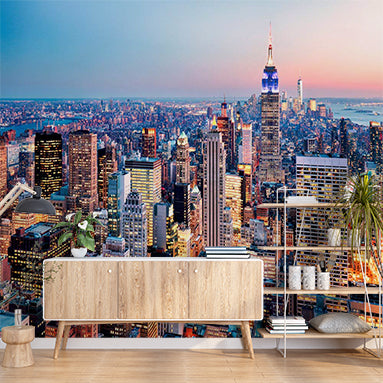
point(164, 229)
point(107, 164)
point(196, 224)
point(182, 203)
point(135, 225)
point(83, 169)
point(270, 167)
point(300, 92)
point(244, 170)
point(48, 162)
point(312, 105)
point(227, 228)
point(323, 177)
point(376, 145)
point(118, 190)
point(214, 169)
point(226, 127)
point(145, 175)
point(5, 236)
point(233, 189)
point(182, 160)
point(245, 149)
point(184, 241)
point(149, 143)
point(29, 248)
point(343, 139)
point(3, 168)
point(27, 167)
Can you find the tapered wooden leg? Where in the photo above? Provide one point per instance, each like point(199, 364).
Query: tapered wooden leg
point(244, 342)
point(247, 337)
point(66, 335)
point(60, 331)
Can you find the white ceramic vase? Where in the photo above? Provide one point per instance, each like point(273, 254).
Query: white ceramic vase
point(323, 280)
point(308, 278)
point(294, 277)
point(356, 241)
point(333, 237)
point(78, 252)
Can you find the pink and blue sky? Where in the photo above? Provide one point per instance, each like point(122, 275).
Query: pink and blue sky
point(93, 48)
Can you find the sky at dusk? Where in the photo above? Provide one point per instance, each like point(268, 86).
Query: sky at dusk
point(182, 48)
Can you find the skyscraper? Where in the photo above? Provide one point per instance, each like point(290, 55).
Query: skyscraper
point(118, 190)
point(214, 169)
point(226, 127)
point(270, 168)
point(182, 203)
point(234, 198)
point(48, 162)
point(135, 225)
point(182, 160)
point(3, 168)
point(106, 165)
point(376, 144)
point(196, 223)
point(149, 143)
point(164, 228)
point(300, 92)
point(145, 175)
point(343, 139)
point(245, 149)
point(227, 228)
point(29, 247)
point(324, 177)
point(83, 169)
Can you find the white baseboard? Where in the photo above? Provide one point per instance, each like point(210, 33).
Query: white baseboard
point(197, 343)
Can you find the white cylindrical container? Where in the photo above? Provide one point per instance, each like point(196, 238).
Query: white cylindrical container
point(294, 277)
point(79, 252)
point(333, 237)
point(323, 280)
point(308, 278)
point(355, 241)
point(17, 317)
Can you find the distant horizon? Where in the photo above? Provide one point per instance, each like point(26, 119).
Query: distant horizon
point(93, 49)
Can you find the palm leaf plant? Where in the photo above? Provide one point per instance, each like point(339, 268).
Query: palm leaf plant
point(361, 206)
point(79, 230)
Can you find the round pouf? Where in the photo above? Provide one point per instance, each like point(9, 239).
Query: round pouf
point(18, 352)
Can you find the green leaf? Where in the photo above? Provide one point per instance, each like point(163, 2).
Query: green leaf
point(90, 228)
point(62, 224)
point(64, 237)
point(77, 217)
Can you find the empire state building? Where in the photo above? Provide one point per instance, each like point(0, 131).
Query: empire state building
point(270, 167)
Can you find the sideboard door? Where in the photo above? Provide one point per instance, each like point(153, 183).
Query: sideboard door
point(83, 289)
point(225, 289)
point(153, 290)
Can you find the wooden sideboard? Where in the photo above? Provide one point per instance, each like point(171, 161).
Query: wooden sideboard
point(113, 290)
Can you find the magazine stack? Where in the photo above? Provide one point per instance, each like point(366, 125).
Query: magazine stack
point(294, 325)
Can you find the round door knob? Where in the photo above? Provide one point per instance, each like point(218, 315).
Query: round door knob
point(179, 270)
point(196, 271)
point(109, 271)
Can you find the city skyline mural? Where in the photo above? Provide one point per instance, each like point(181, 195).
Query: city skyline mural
point(172, 126)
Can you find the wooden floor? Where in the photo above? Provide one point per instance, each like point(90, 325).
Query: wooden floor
point(177, 366)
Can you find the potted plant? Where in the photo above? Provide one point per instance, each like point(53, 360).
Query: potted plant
point(80, 231)
point(361, 206)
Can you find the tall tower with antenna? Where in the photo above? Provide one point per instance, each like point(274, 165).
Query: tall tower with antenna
point(270, 167)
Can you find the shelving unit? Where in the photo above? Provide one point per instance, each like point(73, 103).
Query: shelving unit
point(311, 333)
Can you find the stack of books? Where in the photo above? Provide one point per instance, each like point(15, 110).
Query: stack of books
point(294, 325)
point(227, 252)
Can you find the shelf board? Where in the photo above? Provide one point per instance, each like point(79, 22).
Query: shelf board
point(308, 248)
point(311, 333)
point(295, 205)
point(332, 291)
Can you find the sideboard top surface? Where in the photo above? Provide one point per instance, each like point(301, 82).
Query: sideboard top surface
point(149, 259)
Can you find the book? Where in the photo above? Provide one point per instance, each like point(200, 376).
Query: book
point(288, 328)
point(289, 319)
point(227, 252)
point(287, 331)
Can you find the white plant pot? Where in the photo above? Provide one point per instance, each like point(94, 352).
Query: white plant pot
point(294, 277)
point(333, 237)
point(308, 278)
point(323, 280)
point(79, 252)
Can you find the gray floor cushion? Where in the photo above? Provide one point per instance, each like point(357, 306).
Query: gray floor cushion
point(334, 323)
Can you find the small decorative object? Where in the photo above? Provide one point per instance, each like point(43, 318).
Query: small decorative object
point(333, 237)
point(323, 280)
point(80, 232)
point(295, 277)
point(17, 317)
point(308, 278)
point(353, 239)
